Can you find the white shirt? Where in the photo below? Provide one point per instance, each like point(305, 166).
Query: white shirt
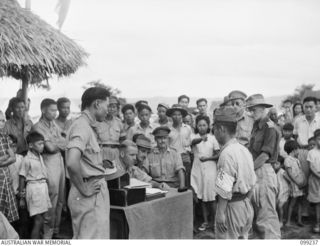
point(304, 129)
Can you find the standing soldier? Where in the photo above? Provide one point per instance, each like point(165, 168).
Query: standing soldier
point(109, 131)
point(264, 147)
point(89, 196)
point(245, 123)
point(235, 179)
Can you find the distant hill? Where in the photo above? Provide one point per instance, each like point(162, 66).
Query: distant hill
point(153, 102)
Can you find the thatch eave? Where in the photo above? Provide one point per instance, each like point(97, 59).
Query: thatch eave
point(31, 47)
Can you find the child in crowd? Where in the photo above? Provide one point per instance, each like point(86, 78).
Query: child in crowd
point(314, 178)
point(283, 190)
point(296, 178)
point(204, 169)
point(33, 188)
point(287, 134)
point(311, 143)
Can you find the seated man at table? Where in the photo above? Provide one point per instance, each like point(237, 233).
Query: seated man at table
point(127, 158)
point(164, 163)
point(144, 148)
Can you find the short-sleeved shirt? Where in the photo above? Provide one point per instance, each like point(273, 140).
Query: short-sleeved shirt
point(137, 173)
point(265, 138)
point(4, 144)
point(64, 126)
point(235, 170)
point(82, 136)
point(296, 170)
point(244, 129)
point(109, 131)
point(304, 129)
point(19, 129)
point(137, 129)
point(33, 168)
point(51, 133)
point(164, 167)
point(125, 129)
point(180, 139)
point(314, 159)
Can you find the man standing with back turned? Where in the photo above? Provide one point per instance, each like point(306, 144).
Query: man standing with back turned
point(89, 196)
point(264, 147)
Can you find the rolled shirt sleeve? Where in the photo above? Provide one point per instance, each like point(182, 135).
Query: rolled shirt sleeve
point(77, 137)
point(178, 162)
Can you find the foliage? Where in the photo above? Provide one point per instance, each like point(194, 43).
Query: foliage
point(113, 91)
point(300, 93)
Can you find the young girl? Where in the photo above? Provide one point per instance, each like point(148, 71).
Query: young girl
point(314, 178)
point(33, 188)
point(296, 179)
point(204, 169)
point(284, 190)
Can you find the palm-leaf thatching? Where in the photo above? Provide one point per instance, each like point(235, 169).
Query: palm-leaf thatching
point(31, 49)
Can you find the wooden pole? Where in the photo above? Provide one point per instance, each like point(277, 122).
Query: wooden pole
point(25, 85)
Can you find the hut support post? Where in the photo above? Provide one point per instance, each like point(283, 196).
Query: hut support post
point(25, 84)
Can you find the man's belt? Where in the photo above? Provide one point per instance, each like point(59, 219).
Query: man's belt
point(236, 197)
point(112, 146)
point(89, 179)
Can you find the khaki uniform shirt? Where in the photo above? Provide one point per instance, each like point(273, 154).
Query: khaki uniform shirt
point(137, 129)
point(244, 129)
point(82, 136)
point(64, 126)
point(20, 130)
point(109, 131)
point(51, 133)
point(125, 130)
point(265, 138)
point(235, 170)
point(33, 168)
point(180, 139)
point(164, 167)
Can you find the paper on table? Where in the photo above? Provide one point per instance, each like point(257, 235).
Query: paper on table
point(135, 183)
point(152, 191)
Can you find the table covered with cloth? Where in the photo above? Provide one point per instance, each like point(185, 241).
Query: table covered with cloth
point(169, 217)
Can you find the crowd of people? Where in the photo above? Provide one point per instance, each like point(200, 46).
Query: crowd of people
point(250, 168)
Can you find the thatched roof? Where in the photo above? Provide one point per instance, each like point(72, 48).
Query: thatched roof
point(30, 46)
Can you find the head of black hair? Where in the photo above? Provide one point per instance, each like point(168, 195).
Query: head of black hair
point(288, 127)
point(47, 102)
point(91, 94)
point(198, 119)
point(61, 101)
point(183, 97)
point(310, 99)
point(127, 107)
point(15, 101)
point(290, 146)
point(295, 105)
point(202, 100)
point(311, 139)
point(34, 137)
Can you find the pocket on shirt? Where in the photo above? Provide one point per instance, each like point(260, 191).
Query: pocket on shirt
point(155, 170)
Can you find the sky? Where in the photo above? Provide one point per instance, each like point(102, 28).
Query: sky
point(202, 48)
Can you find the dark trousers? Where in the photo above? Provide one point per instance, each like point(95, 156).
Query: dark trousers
point(186, 160)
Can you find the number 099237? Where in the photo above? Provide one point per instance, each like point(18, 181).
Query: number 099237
point(309, 242)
